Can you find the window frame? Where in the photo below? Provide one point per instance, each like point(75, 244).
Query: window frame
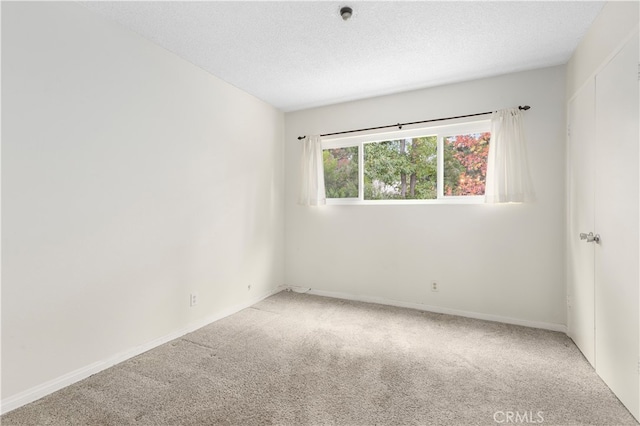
point(440, 131)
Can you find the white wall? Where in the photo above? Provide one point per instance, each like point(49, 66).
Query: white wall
point(612, 26)
point(130, 178)
point(494, 260)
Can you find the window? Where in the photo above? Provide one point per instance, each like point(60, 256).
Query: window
point(442, 163)
point(401, 169)
point(341, 172)
point(465, 163)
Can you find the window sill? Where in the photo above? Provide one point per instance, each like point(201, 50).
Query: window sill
point(447, 200)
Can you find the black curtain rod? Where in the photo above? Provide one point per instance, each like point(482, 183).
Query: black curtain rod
point(399, 125)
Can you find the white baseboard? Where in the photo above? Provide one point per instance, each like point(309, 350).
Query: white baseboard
point(429, 308)
point(44, 389)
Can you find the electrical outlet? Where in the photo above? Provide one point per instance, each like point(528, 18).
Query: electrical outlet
point(193, 299)
point(435, 286)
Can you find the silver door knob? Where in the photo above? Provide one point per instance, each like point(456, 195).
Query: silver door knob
point(590, 238)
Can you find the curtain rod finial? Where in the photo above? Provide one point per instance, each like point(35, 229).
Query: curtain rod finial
point(524, 108)
point(301, 137)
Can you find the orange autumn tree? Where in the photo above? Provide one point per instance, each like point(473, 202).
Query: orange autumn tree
point(466, 161)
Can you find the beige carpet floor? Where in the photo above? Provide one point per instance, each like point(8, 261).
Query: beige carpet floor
point(297, 359)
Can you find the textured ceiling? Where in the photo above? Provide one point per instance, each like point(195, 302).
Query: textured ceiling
point(301, 54)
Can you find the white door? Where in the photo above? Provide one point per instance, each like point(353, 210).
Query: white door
point(616, 219)
point(580, 177)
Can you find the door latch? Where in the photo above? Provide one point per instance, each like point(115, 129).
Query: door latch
point(590, 238)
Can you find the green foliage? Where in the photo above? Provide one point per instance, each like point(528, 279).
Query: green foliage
point(341, 172)
point(401, 169)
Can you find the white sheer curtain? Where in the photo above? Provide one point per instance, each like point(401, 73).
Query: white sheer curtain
point(508, 179)
point(312, 191)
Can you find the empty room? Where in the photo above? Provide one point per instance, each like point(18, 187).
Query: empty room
point(320, 213)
